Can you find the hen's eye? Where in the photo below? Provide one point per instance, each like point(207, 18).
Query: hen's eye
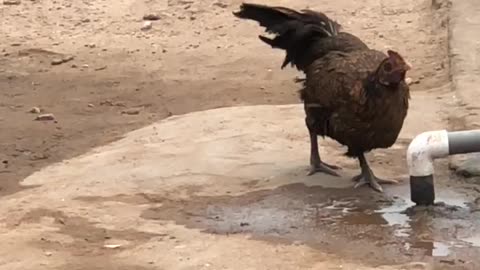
point(387, 67)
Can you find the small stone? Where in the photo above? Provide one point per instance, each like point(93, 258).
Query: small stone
point(91, 105)
point(38, 156)
point(57, 61)
point(86, 20)
point(11, 2)
point(147, 25)
point(132, 111)
point(68, 58)
point(220, 5)
point(151, 17)
point(45, 117)
point(34, 110)
point(48, 254)
point(112, 246)
point(91, 45)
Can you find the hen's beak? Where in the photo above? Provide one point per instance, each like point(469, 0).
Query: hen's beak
point(408, 66)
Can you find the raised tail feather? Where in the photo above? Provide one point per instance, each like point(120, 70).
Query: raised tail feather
point(293, 30)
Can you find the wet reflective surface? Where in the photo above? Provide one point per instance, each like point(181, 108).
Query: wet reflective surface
point(355, 224)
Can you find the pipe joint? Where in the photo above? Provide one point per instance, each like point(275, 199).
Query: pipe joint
point(424, 149)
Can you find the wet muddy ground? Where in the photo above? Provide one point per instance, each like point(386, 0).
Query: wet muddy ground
point(390, 230)
point(338, 221)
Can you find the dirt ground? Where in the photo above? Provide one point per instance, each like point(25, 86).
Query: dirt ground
point(196, 57)
point(116, 78)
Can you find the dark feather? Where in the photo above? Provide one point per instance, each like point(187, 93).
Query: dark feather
point(305, 35)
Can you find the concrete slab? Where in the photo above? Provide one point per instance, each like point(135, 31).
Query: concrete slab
point(209, 187)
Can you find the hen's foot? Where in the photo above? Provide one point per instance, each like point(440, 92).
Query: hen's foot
point(324, 168)
point(368, 178)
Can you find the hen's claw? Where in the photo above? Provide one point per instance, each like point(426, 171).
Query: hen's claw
point(323, 167)
point(366, 177)
point(371, 180)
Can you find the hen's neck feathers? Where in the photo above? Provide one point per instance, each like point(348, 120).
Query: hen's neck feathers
point(374, 87)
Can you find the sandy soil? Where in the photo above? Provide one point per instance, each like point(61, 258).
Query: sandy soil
point(197, 56)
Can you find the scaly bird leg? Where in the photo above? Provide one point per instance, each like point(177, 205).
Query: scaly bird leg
point(367, 177)
point(316, 164)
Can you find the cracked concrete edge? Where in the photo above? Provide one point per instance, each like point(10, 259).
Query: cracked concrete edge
point(464, 53)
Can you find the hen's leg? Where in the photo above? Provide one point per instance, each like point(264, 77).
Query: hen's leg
point(316, 164)
point(367, 176)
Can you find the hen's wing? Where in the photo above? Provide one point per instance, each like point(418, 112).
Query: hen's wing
point(337, 79)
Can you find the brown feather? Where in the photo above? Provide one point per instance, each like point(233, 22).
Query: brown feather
point(351, 106)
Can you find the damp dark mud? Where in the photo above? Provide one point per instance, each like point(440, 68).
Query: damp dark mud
point(355, 224)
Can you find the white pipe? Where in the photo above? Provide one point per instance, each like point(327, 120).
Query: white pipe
point(427, 147)
point(424, 149)
point(421, 153)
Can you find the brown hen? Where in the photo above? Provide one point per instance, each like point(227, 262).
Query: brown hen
point(352, 94)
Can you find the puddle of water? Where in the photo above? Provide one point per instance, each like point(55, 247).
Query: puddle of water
point(325, 218)
point(453, 200)
point(432, 248)
point(392, 215)
point(396, 217)
point(440, 249)
point(474, 241)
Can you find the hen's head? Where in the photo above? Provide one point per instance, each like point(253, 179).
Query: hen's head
point(393, 69)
